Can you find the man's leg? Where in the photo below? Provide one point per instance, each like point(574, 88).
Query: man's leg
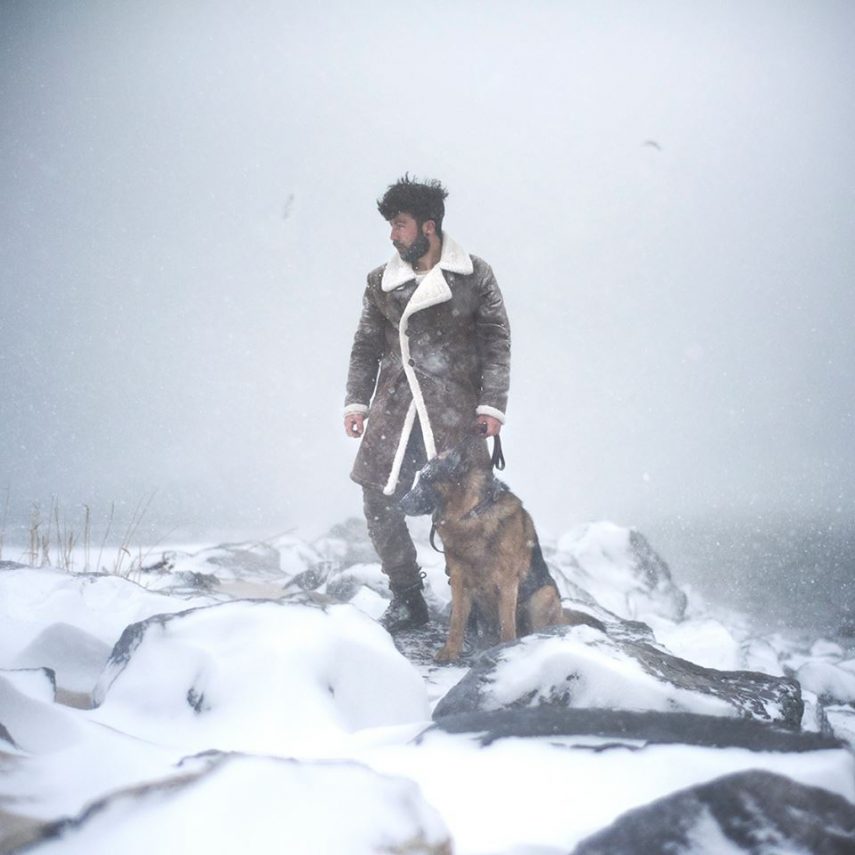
point(391, 538)
point(388, 531)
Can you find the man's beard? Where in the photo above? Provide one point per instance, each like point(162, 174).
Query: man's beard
point(419, 247)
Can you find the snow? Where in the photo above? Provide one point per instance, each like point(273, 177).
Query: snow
point(261, 804)
point(599, 675)
point(706, 642)
point(518, 792)
point(260, 677)
point(101, 606)
point(831, 682)
point(291, 722)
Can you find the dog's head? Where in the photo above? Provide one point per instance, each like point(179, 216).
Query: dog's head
point(437, 478)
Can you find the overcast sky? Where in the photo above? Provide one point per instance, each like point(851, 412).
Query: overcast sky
point(189, 213)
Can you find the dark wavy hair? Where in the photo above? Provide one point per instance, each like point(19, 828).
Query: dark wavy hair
point(423, 200)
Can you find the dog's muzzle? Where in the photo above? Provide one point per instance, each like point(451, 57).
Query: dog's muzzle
point(421, 500)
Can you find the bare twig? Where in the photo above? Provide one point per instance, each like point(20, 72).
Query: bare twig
point(130, 534)
point(87, 537)
point(106, 535)
point(35, 539)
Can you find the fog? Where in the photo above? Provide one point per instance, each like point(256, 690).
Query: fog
point(666, 192)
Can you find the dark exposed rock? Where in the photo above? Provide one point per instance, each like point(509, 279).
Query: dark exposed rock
point(195, 581)
point(620, 727)
point(648, 563)
point(751, 812)
point(748, 694)
point(132, 635)
point(17, 830)
point(6, 736)
point(344, 587)
point(196, 700)
point(625, 630)
point(310, 579)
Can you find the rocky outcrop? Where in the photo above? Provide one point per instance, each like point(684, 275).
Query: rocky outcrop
point(831, 683)
point(750, 812)
point(580, 667)
point(630, 729)
point(227, 677)
point(619, 569)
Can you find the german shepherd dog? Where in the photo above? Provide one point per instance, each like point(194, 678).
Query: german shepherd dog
point(493, 557)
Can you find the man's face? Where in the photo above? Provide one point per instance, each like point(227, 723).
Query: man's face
point(408, 238)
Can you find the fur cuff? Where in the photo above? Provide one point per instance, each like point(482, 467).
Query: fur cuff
point(484, 410)
point(355, 408)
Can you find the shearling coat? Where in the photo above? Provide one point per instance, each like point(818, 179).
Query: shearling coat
point(442, 352)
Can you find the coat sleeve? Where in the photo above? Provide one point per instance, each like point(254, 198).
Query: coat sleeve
point(494, 348)
point(365, 355)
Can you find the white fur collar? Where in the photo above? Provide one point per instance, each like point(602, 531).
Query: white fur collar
point(453, 259)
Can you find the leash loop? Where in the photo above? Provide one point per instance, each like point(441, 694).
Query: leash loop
point(498, 459)
point(433, 539)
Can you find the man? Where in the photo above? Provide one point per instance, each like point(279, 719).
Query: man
point(434, 328)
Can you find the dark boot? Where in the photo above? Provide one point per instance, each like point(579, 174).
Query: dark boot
point(408, 610)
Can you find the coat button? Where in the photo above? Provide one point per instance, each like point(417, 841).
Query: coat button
point(411, 361)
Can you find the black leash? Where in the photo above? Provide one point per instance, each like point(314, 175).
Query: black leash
point(498, 461)
point(432, 539)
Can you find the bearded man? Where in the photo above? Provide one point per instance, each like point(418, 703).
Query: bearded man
point(430, 364)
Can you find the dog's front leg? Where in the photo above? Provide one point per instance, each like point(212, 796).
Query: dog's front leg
point(508, 612)
point(461, 605)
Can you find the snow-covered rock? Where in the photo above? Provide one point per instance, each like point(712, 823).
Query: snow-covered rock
point(76, 657)
point(347, 543)
point(257, 676)
point(833, 684)
point(841, 718)
point(704, 641)
point(344, 585)
point(207, 665)
point(814, 719)
point(37, 683)
point(543, 789)
point(28, 715)
point(583, 667)
point(607, 727)
point(35, 600)
point(758, 654)
point(748, 812)
point(822, 648)
point(253, 569)
point(258, 805)
point(620, 570)
point(56, 760)
point(228, 562)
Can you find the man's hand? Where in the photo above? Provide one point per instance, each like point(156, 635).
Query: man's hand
point(488, 426)
point(354, 424)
